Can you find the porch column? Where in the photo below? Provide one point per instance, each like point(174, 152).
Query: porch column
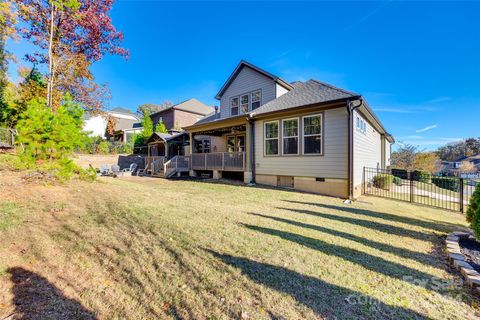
point(191, 172)
point(247, 173)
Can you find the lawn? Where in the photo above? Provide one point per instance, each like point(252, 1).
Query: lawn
point(144, 248)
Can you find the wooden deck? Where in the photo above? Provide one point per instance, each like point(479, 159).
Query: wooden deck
point(221, 161)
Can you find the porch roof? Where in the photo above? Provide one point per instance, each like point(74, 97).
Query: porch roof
point(166, 137)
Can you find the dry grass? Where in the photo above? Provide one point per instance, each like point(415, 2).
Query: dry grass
point(145, 248)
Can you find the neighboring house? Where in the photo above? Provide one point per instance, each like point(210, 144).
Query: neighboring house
point(126, 124)
point(182, 114)
point(461, 165)
point(308, 136)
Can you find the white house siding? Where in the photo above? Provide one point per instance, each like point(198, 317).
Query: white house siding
point(96, 126)
point(367, 152)
point(246, 81)
point(332, 164)
point(280, 90)
point(388, 153)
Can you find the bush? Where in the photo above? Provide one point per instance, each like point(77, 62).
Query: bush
point(382, 181)
point(400, 173)
point(103, 147)
point(452, 184)
point(420, 176)
point(397, 181)
point(476, 223)
point(474, 204)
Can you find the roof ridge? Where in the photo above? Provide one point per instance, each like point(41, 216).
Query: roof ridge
point(334, 87)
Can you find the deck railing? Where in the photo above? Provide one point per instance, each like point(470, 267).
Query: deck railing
point(225, 161)
point(154, 164)
point(177, 164)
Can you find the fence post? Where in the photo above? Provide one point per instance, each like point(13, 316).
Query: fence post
point(364, 182)
point(461, 195)
point(411, 186)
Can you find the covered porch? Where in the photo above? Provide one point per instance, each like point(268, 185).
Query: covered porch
point(163, 147)
point(222, 147)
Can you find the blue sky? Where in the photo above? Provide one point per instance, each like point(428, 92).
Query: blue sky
point(416, 63)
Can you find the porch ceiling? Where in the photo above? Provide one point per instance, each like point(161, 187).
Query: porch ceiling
point(221, 131)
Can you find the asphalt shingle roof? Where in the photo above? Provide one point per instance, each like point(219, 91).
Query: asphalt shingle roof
point(304, 94)
point(307, 93)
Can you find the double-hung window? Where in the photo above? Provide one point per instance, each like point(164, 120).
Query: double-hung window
point(234, 106)
point(256, 99)
point(312, 134)
point(290, 136)
point(244, 99)
point(271, 138)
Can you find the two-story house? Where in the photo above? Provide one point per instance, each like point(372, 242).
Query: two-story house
point(182, 114)
point(308, 136)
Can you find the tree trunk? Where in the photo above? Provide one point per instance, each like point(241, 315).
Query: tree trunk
point(50, 58)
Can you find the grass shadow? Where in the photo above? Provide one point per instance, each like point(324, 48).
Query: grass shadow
point(400, 252)
point(433, 225)
point(36, 298)
point(365, 260)
point(373, 225)
point(328, 301)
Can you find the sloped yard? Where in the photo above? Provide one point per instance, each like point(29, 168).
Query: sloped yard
point(145, 248)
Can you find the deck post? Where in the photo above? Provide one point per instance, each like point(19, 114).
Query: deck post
point(223, 161)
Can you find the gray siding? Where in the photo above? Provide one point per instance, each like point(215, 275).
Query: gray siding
point(332, 164)
point(367, 150)
point(246, 81)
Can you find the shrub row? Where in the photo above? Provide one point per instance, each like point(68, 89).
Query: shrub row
point(382, 181)
point(452, 184)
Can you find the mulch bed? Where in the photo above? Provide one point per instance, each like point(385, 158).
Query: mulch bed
point(471, 250)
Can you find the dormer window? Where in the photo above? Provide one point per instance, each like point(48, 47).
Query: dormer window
point(234, 106)
point(256, 98)
point(244, 102)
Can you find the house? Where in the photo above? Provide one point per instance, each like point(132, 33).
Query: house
point(308, 136)
point(182, 114)
point(125, 122)
point(465, 167)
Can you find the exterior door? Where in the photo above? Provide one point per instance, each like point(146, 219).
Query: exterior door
point(236, 143)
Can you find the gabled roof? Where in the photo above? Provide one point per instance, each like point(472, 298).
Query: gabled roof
point(191, 105)
point(165, 136)
point(244, 64)
point(303, 94)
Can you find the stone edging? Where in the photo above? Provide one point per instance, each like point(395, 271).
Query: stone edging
point(472, 277)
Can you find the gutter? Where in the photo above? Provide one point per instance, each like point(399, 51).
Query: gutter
point(350, 109)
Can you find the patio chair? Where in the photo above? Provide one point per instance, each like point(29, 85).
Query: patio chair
point(132, 169)
point(116, 170)
point(104, 170)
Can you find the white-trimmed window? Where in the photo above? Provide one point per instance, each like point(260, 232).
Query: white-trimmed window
point(312, 134)
point(244, 102)
point(256, 99)
point(290, 136)
point(234, 106)
point(271, 138)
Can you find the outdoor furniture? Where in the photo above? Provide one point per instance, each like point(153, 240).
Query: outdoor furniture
point(116, 170)
point(132, 169)
point(104, 170)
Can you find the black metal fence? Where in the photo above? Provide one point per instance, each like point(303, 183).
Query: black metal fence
point(451, 193)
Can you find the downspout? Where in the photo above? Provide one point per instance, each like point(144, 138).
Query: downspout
point(252, 147)
point(350, 109)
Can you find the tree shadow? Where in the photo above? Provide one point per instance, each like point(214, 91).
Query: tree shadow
point(433, 225)
point(368, 261)
point(36, 298)
point(401, 252)
point(328, 301)
point(373, 225)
